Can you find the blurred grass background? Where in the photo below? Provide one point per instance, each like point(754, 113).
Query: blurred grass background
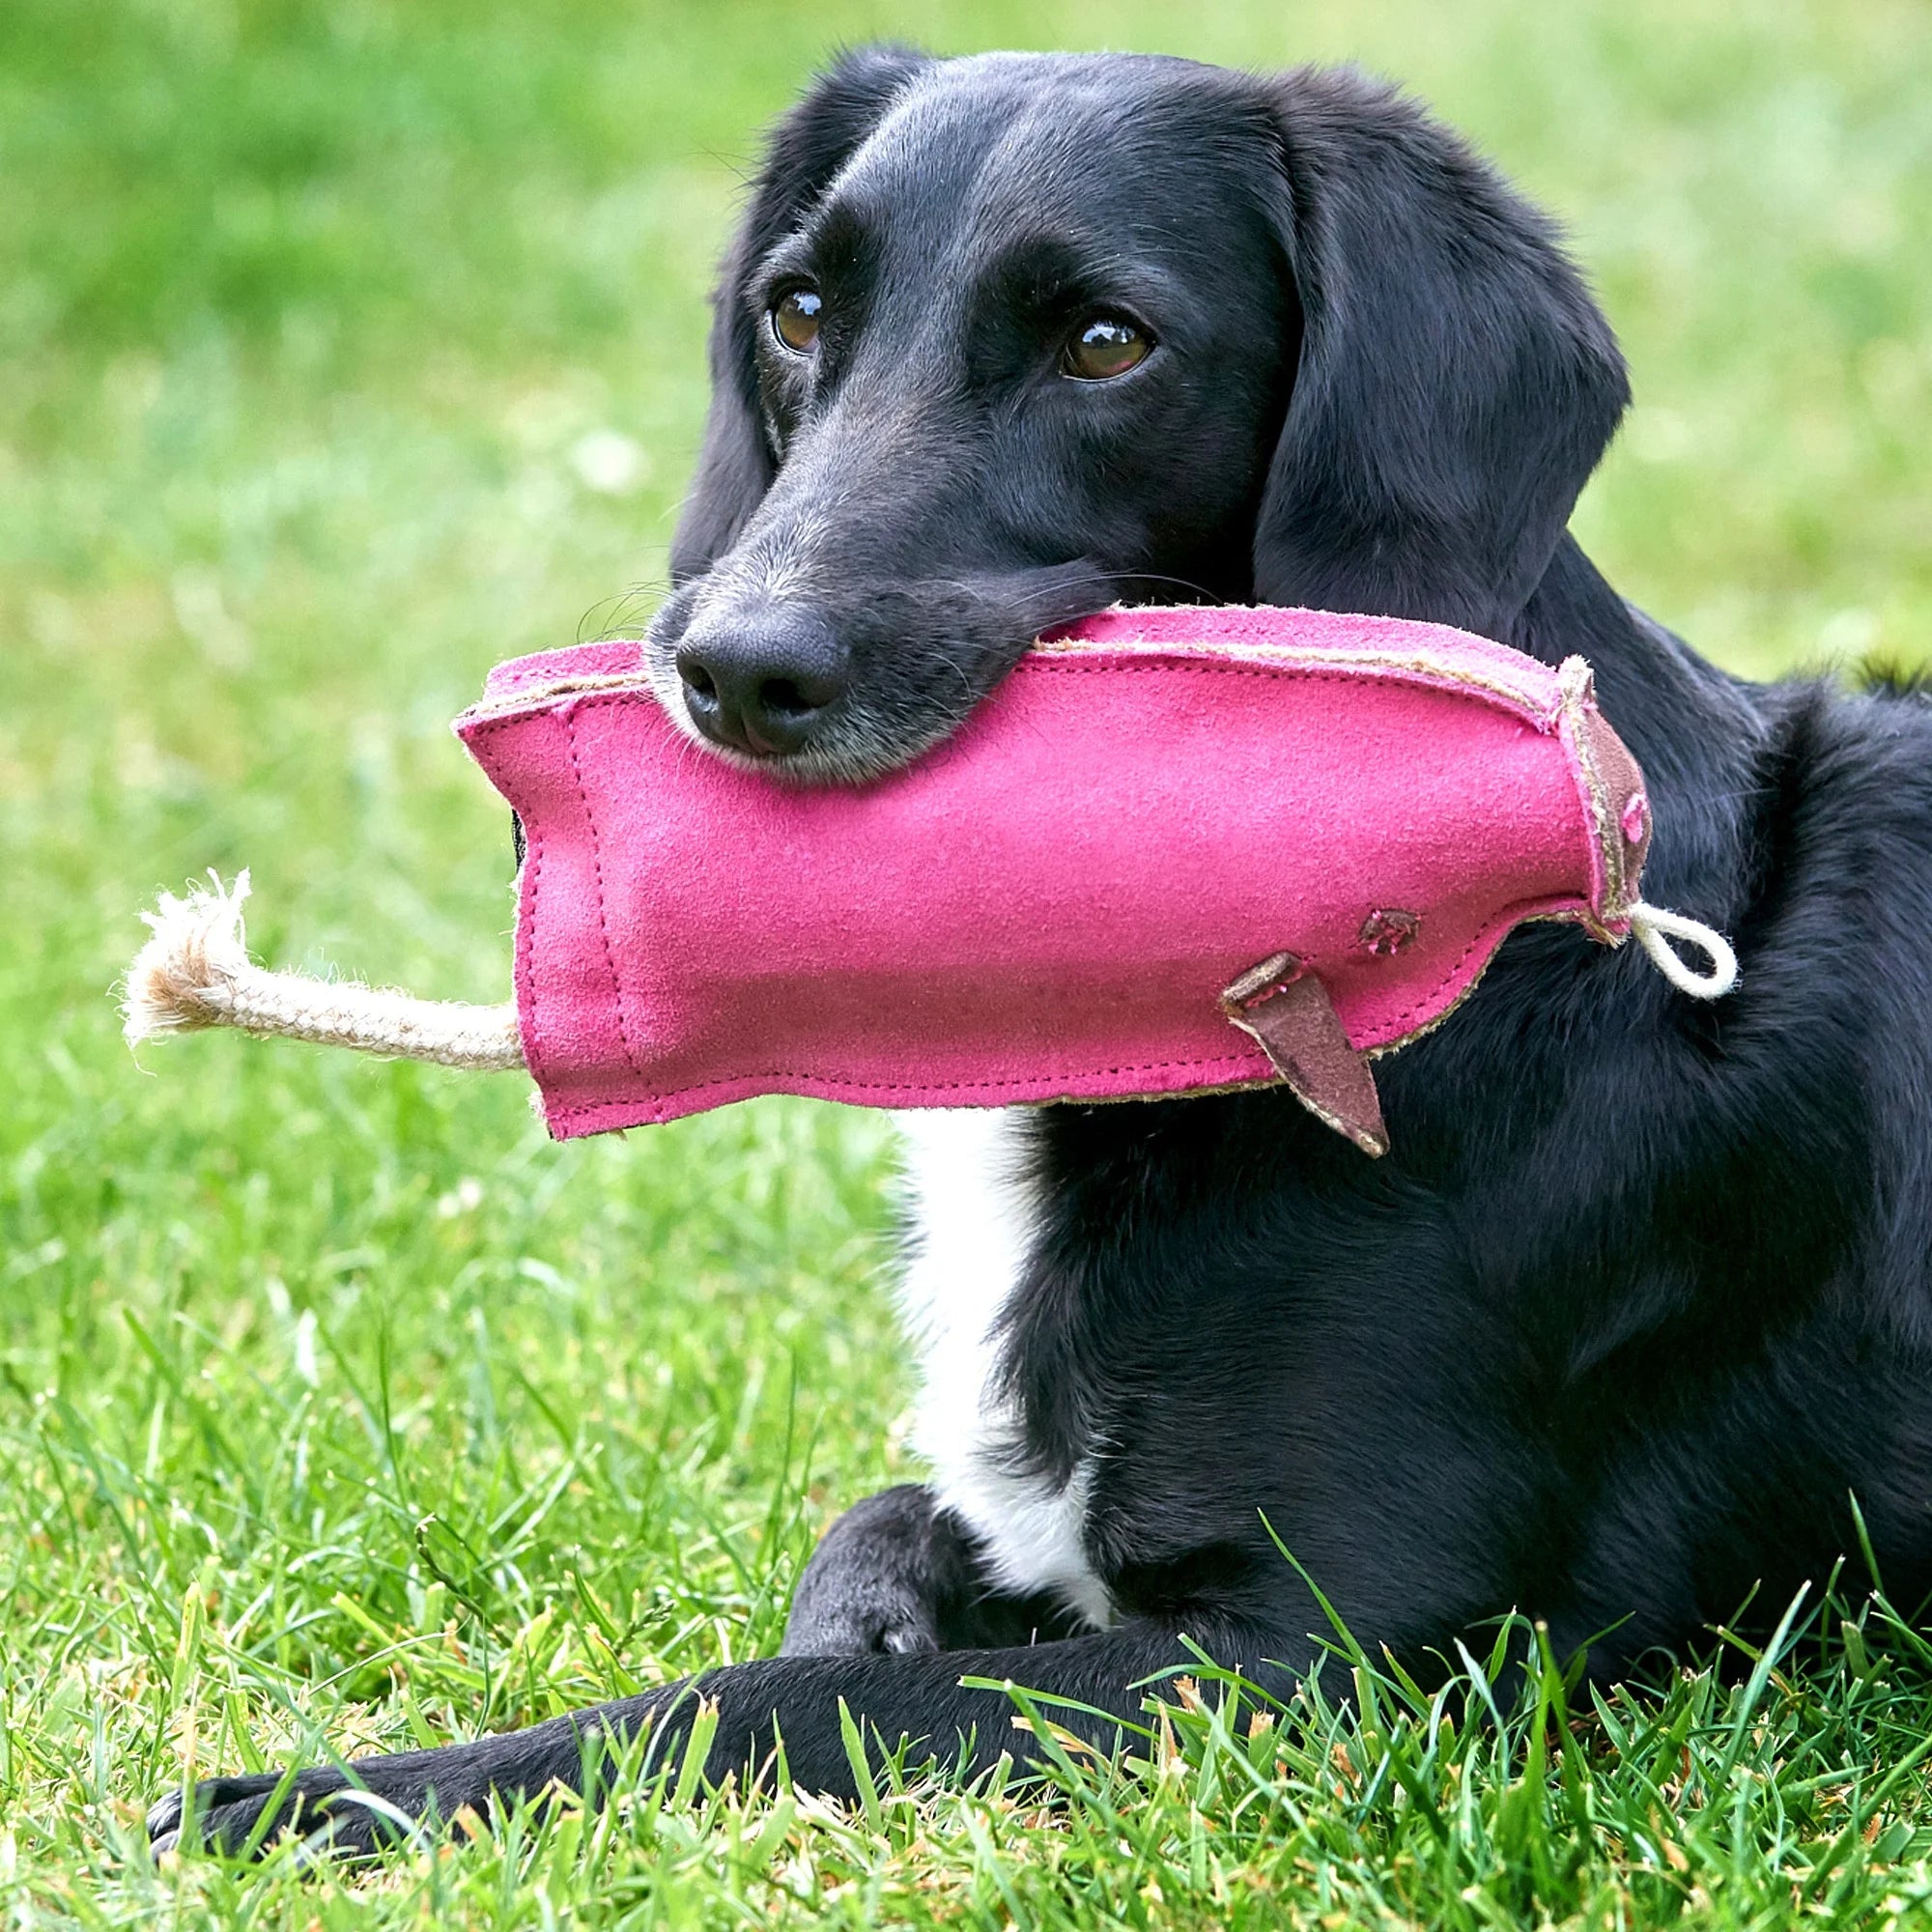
point(346, 348)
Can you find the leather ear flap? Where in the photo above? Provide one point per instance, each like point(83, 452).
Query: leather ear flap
point(806, 151)
point(1455, 381)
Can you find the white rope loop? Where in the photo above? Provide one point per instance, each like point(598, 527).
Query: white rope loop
point(195, 971)
point(1655, 930)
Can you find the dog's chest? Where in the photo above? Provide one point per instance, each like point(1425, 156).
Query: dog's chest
point(973, 1222)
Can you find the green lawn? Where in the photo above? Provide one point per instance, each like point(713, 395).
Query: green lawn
point(348, 347)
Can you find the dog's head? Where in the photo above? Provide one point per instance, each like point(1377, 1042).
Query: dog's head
point(1005, 339)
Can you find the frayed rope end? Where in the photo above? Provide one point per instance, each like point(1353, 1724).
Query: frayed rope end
point(194, 972)
point(183, 977)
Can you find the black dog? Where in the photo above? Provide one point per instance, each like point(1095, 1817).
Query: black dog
point(1640, 1300)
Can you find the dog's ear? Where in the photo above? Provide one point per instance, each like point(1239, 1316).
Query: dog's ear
point(1454, 383)
point(806, 151)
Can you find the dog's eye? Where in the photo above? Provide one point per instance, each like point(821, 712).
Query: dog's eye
point(795, 319)
point(1104, 347)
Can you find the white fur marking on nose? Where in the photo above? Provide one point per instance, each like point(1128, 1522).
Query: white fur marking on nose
point(773, 566)
point(786, 569)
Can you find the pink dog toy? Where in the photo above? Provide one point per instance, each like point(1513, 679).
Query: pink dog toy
point(1176, 851)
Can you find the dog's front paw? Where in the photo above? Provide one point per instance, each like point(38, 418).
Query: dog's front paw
point(860, 1629)
point(874, 1584)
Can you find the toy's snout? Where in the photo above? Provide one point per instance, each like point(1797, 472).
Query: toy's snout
point(762, 679)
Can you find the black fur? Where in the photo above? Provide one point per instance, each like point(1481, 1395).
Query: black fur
point(1640, 1300)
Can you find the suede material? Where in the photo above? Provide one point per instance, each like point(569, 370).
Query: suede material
point(1050, 904)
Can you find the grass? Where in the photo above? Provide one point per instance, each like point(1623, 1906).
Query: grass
point(346, 348)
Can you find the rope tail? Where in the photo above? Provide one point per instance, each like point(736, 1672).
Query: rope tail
point(195, 971)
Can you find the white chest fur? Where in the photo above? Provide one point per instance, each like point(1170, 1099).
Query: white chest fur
point(973, 1222)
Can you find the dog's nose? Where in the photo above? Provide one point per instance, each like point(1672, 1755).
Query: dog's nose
point(761, 682)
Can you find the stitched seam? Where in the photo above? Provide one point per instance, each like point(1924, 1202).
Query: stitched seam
point(602, 923)
point(477, 722)
point(1491, 936)
point(1296, 661)
point(526, 976)
point(1609, 852)
point(908, 1085)
point(526, 696)
point(523, 974)
point(564, 1121)
point(1313, 660)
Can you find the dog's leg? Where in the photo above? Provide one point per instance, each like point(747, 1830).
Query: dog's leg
point(919, 1697)
point(899, 1573)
